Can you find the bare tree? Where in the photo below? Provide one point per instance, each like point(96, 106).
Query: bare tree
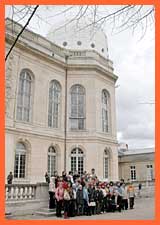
point(24, 27)
point(118, 18)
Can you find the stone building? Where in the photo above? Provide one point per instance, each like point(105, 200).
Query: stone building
point(60, 105)
point(136, 165)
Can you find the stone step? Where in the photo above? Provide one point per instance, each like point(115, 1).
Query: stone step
point(46, 212)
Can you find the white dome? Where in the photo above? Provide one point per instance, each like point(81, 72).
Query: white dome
point(79, 37)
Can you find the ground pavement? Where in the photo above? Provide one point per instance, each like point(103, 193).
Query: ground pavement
point(143, 210)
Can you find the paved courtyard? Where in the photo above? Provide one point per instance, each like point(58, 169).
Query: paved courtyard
point(144, 210)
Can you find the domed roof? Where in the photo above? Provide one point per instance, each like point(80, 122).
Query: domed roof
point(79, 37)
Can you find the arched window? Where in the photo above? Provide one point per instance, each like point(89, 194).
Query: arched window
point(77, 160)
point(54, 103)
point(105, 111)
point(51, 160)
point(106, 164)
point(20, 161)
point(77, 116)
point(24, 96)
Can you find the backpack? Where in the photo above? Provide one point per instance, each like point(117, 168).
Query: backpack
point(66, 195)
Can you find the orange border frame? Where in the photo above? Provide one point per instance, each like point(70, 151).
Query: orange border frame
point(2, 107)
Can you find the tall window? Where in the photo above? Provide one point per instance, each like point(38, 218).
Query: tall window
point(106, 164)
point(105, 111)
point(51, 160)
point(77, 160)
point(24, 96)
point(20, 161)
point(77, 117)
point(54, 103)
point(133, 172)
point(149, 172)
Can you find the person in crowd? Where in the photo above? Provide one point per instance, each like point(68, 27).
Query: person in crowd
point(104, 197)
point(85, 200)
point(131, 195)
point(57, 179)
point(112, 200)
point(119, 196)
point(59, 195)
point(75, 176)
point(67, 198)
point(52, 193)
point(79, 200)
point(64, 175)
point(10, 178)
point(93, 174)
point(108, 197)
point(72, 203)
point(71, 176)
point(47, 178)
point(92, 199)
point(99, 199)
point(139, 189)
point(124, 197)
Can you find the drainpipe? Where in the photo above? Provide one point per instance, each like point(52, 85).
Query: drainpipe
point(65, 115)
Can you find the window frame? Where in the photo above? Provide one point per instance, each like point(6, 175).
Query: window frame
point(78, 92)
point(133, 173)
point(77, 157)
point(150, 175)
point(51, 156)
point(18, 153)
point(21, 96)
point(52, 104)
point(106, 126)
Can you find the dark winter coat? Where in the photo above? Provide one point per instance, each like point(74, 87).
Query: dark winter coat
point(79, 197)
point(99, 195)
point(92, 194)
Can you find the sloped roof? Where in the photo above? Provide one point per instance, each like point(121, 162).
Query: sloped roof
point(136, 151)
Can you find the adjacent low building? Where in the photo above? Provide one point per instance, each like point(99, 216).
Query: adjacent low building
point(136, 165)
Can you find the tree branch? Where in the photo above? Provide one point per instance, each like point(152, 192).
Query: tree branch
point(21, 32)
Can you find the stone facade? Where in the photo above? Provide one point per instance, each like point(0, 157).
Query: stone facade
point(46, 62)
point(141, 161)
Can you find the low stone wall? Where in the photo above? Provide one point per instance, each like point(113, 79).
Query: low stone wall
point(23, 199)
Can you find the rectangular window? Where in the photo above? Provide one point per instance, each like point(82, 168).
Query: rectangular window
point(19, 166)
point(133, 173)
point(73, 164)
point(77, 124)
point(150, 172)
point(106, 164)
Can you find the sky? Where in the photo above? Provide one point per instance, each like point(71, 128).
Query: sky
point(134, 64)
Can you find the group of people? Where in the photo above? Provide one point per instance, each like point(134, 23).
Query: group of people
point(86, 195)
